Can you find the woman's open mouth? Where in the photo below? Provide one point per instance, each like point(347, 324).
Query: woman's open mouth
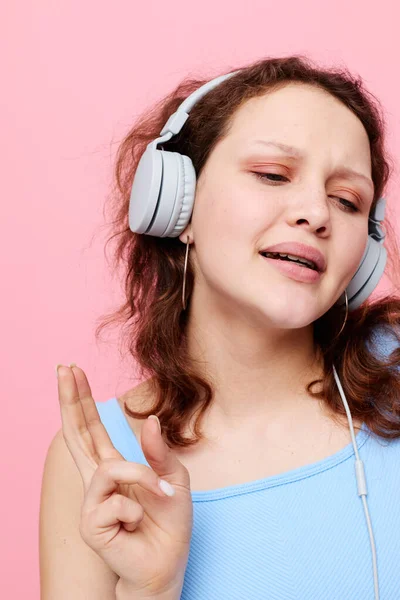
point(292, 268)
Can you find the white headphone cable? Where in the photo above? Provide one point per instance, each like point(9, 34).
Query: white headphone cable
point(361, 482)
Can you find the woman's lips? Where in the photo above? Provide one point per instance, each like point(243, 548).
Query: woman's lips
point(294, 270)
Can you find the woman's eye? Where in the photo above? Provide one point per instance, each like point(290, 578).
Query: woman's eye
point(346, 204)
point(266, 175)
point(350, 206)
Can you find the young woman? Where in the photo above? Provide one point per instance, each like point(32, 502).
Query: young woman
point(271, 371)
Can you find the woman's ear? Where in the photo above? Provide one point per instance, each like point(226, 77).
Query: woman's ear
point(185, 233)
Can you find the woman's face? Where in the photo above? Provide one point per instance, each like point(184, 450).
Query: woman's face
point(304, 197)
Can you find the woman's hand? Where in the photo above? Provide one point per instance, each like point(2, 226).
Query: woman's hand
point(140, 533)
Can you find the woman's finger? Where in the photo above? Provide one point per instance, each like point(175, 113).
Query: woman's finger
point(111, 473)
point(77, 435)
point(102, 443)
point(115, 510)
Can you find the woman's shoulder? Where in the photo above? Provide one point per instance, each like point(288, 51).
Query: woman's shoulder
point(384, 340)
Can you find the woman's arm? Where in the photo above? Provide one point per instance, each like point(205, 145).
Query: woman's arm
point(123, 593)
point(68, 567)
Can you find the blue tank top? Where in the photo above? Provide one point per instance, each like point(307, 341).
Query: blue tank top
point(299, 535)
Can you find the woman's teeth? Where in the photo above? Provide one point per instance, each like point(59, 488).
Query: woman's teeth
point(307, 263)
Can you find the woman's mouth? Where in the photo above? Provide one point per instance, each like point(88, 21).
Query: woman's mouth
point(294, 270)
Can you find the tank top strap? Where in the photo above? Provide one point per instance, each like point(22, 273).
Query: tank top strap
point(120, 432)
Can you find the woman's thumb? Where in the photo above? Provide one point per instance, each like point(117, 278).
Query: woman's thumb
point(157, 420)
point(158, 454)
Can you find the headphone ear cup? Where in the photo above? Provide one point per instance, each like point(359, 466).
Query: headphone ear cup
point(162, 193)
point(145, 190)
point(368, 274)
point(182, 193)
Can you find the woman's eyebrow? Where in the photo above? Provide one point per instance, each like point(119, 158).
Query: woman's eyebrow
point(293, 152)
point(348, 173)
point(290, 150)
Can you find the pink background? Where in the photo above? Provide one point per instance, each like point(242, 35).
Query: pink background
point(74, 75)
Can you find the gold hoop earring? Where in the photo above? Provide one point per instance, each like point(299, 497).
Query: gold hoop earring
point(184, 274)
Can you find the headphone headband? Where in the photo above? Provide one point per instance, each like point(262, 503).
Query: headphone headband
point(375, 219)
point(177, 120)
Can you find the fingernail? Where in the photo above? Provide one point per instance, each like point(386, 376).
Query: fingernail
point(166, 487)
point(156, 419)
point(59, 365)
point(72, 364)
